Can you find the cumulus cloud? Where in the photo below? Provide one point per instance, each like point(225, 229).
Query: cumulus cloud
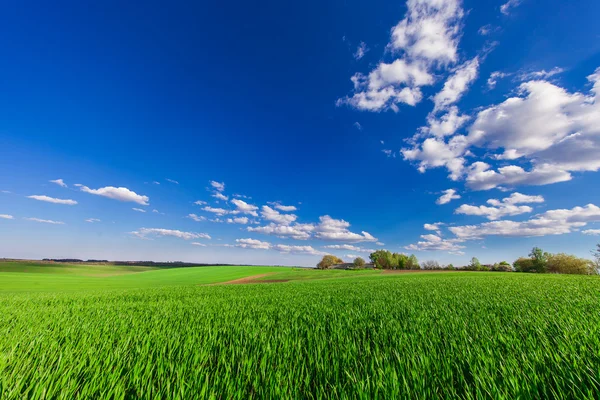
point(349, 247)
point(117, 193)
point(143, 233)
point(284, 248)
point(53, 200)
point(239, 220)
point(447, 196)
point(6, 216)
point(253, 244)
point(273, 215)
point(435, 243)
point(427, 38)
point(45, 221)
point(245, 208)
point(219, 186)
point(220, 196)
point(446, 125)
point(591, 232)
point(296, 231)
point(217, 211)
point(457, 84)
point(283, 208)
point(433, 227)
point(196, 218)
point(481, 177)
point(337, 229)
point(552, 222)
point(59, 182)
point(499, 209)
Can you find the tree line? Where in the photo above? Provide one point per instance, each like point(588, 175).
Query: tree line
point(538, 261)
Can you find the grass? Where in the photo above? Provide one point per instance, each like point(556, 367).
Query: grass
point(338, 334)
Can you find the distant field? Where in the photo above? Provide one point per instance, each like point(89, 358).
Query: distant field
point(341, 334)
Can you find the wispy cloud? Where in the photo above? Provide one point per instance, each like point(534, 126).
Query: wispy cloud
point(53, 200)
point(145, 232)
point(6, 216)
point(59, 182)
point(45, 221)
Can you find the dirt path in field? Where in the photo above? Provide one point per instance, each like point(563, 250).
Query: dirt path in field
point(252, 279)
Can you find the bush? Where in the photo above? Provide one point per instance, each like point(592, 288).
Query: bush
point(328, 261)
point(524, 264)
point(568, 264)
point(359, 262)
point(502, 267)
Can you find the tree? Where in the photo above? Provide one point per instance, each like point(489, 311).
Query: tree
point(450, 267)
point(474, 265)
point(524, 264)
point(596, 254)
point(328, 261)
point(412, 262)
point(430, 265)
point(359, 262)
point(568, 264)
point(540, 259)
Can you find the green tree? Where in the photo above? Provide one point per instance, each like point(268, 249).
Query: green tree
point(568, 264)
point(412, 262)
point(329, 260)
point(450, 267)
point(540, 259)
point(524, 264)
point(502, 267)
point(359, 262)
point(596, 254)
point(474, 265)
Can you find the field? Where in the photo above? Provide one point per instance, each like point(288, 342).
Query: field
point(341, 334)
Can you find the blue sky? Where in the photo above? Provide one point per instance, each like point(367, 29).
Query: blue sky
point(275, 133)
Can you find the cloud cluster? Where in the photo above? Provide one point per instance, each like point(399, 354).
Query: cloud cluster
point(282, 248)
point(143, 233)
point(425, 40)
point(498, 209)
point(117, 193)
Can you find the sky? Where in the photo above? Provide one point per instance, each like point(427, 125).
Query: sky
point(277, 132)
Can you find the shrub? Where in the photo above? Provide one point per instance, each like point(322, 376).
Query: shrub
point(568, 264)
point(502, 267)
point(524, 264)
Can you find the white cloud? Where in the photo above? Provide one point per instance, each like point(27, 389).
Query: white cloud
point(486, 30)
point(591, 232)
point(446, 125)
point(253, 244)
point(435, 243)
point(388, 152)
point(337, 229)
point(541, 75)
point(156, 183)
point(198, 244)
point(283, 248)
point(59, 182)
point(200, 203)
point(433, 227)
point(217, 211)
point(52, 200)
point(219, 186)
point(457, 84)
point(239, 220)
point(273, 215)
point(143, 233)
point(172, 181)
point(296, 231)
point(430, 30)
point(245, 208)
point(120, 193)
point(499, 209)
point(220, 196)
point(447, 196)
point(284, 208)
point(92, 220)
point(349, 247)
point(506, 7)
point(552, 222)
point(45, 221)
point(156, 211)
point(436, 152)
point(358, 126)
point(481, 177)
point(361, 51)
point(139, 210)
point(196, 217)
point(494, 77)
point(6, 216)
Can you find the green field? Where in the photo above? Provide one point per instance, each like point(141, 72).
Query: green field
point(166, 333)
